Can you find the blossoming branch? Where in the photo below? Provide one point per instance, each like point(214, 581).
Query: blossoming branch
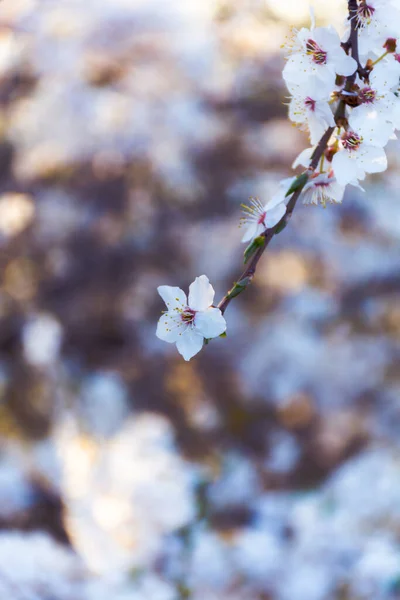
point(346, 96)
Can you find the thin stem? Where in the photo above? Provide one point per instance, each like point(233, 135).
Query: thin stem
point(378, 60)
point(247, 276)
point(353, 43)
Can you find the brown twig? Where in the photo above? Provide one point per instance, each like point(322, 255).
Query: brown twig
point(247, 276)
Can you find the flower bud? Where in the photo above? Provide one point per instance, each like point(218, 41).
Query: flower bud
point(340, 80)
point(330, 152)
point(369, 65)
point(238, 288)
point(390, 45)
point(253, 247)
point(297, 184)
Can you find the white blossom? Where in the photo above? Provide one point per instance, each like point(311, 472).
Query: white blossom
point(356, 158)
point(378, 20)
point(259, 217)
point(187, 322)
point(315, 115)
point(373, 118)
point(323, 188)
point(316, 58)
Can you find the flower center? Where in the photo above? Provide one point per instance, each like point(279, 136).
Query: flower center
point(318, 55)
point(364, 13)
point(367, 95)
point(188, 315)
point(351, 141)
point(254, 212)
point(261, 218)
point(322, 184)
point(310, 103)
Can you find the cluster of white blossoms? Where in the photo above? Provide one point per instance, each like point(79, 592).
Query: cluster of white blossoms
point(320, 76)
point(346, 96)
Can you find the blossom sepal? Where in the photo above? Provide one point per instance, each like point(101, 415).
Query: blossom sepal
point(252, 248)
point(238, 288)
point(297, 184)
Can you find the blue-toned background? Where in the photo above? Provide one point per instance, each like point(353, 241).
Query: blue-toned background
point(268, 468)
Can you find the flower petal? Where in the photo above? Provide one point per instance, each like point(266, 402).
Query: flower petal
point(252, 231)
point(275, 215)
point(189, 343)
point(280, 196)
point(385, 75)
point(344, 167)
point(201, 293)
point(371, 124)
point(173, 297)
point(210, 323)
point(304, 158)
point(169, 327)
point(327, 38)
point(344, 65)
point(372, 159)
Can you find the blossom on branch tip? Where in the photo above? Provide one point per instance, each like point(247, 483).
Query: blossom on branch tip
point(188, 322)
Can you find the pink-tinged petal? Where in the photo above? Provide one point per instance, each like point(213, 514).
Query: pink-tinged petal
point(210, 323)
point(173, 297)
point(201, 293)
point(275, 215)
point(170, 327)
point(189, 343)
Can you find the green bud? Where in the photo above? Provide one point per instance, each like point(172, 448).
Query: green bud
point(223, 335)
point(297, 184)
point(253, 247)
point(239, 287)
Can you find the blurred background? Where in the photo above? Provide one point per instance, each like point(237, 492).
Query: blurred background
point(267, 468)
